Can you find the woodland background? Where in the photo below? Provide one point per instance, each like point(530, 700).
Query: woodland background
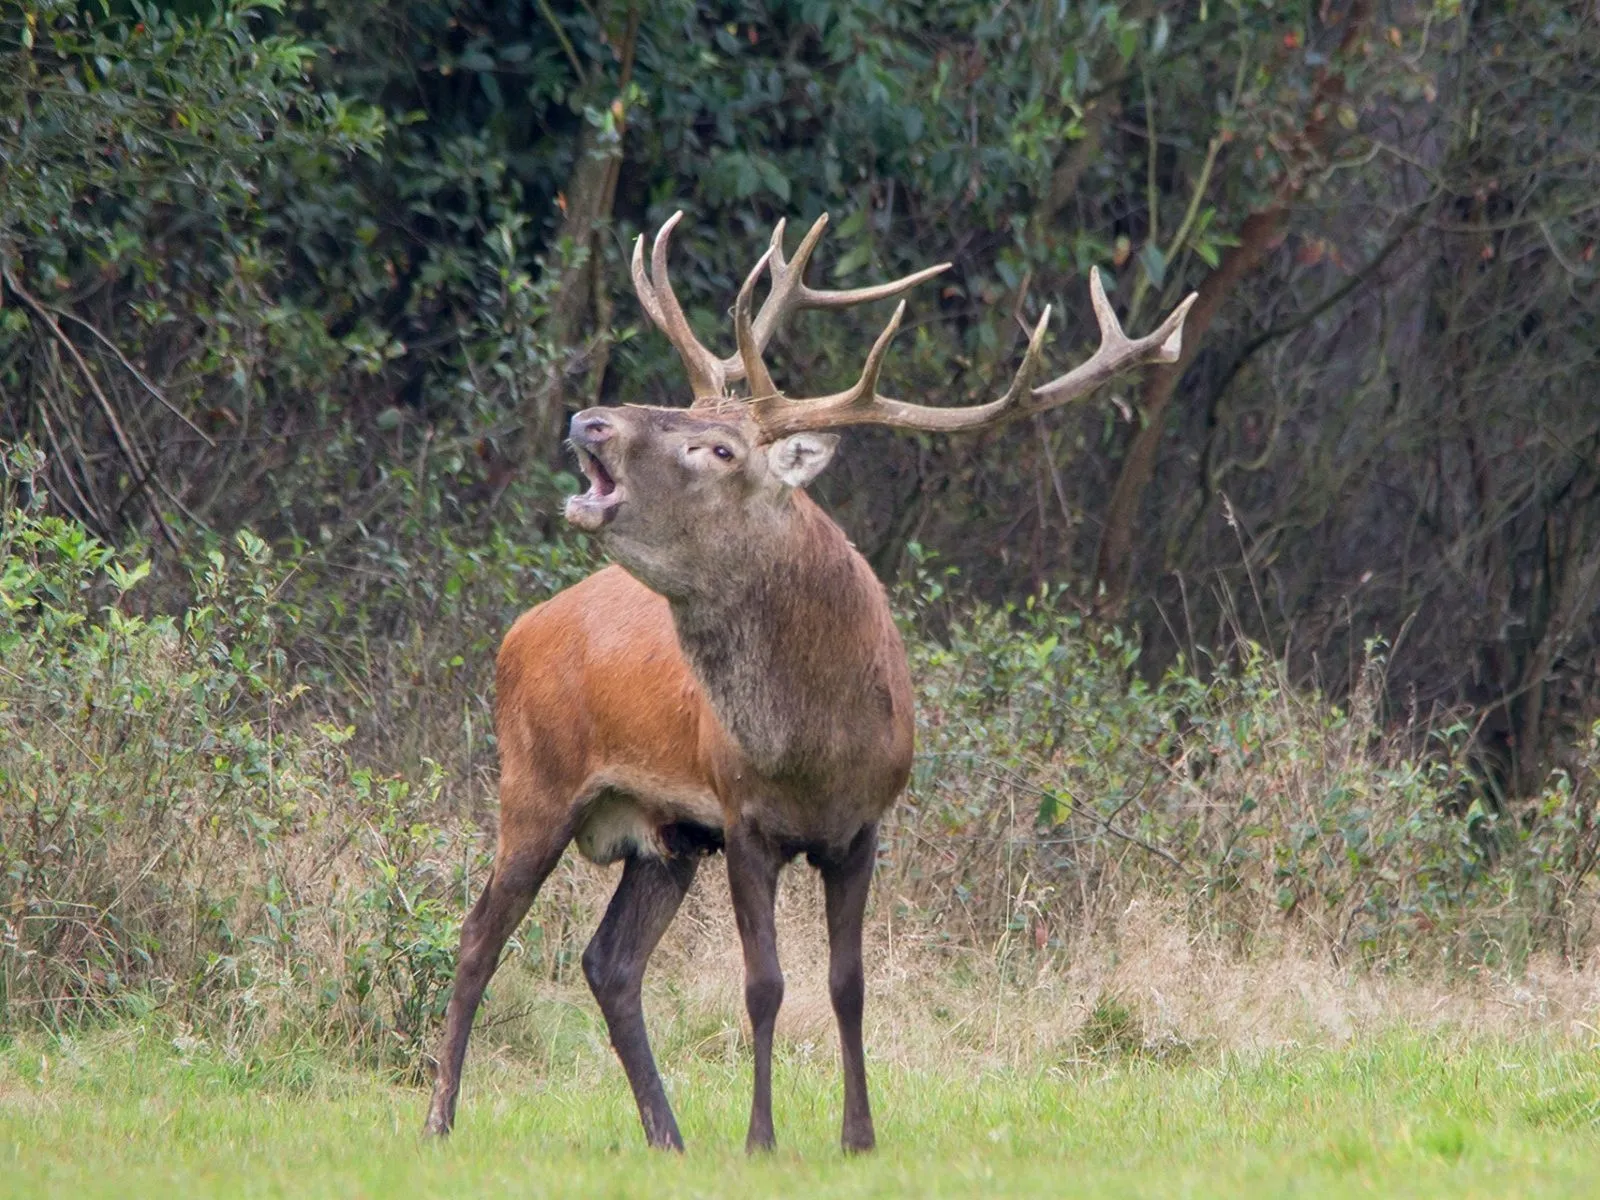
point(296, 299)
point(289, 255)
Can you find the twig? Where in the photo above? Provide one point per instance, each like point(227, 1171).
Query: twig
point(1038, 418)
point(1510, 223)
point(1016, 781)
point(90, 515)
point(566, 43)
point(1152, 148)
point(1197, 194)
point(1571, 268)
point(420, 477)
point(1195, 197)
point(117, 431)
point(1358, 277)
point(144, 382)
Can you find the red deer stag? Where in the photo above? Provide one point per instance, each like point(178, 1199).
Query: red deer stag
point(736, 682)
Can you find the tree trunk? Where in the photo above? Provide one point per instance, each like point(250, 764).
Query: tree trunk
point(577, 331)
point(1260, 232)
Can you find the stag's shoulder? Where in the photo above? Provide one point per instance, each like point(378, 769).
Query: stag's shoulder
point(607, 623)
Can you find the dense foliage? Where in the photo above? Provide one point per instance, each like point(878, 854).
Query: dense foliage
point(264, 263)
point(295, 299)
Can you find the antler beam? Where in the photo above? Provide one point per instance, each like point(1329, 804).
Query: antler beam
point(709, 375)
point(780, 415)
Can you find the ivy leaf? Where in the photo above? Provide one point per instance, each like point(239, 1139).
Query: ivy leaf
point(1128, 40)
point(1159, 35)
point(853, 259)
point(1154, 262)
point(777, 182)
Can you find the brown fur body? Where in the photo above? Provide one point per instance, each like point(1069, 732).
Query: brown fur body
point(599, 708)
point(754, 697)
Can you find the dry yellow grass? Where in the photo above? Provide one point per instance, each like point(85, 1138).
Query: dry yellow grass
point(1011, 1006)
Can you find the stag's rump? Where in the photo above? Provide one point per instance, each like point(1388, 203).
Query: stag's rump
point(598, 714)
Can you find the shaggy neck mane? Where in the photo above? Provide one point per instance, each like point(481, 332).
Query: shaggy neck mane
point(780, 650)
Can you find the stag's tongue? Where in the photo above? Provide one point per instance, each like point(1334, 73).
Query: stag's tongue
point(590, 510)
point(600, 481)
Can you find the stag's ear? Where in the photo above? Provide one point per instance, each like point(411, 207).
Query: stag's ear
point(800, 457)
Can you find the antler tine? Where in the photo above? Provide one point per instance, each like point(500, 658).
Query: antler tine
point(708, 375)
point(778, 415)
point(754, 369)
point(642, 286)
point(867, 386)
point(788, 278)
point(1022, 381)
point(863, 406)
point(815, 298)
point(774, 307)
point(1117, 351)
point(790, 292)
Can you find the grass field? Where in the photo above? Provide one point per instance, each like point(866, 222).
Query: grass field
point(1402, 1114)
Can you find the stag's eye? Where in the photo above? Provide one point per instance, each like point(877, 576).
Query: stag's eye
point(723, 453)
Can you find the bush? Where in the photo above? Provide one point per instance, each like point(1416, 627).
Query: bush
point(177, 833)
point(187, 827)
point(1052, 784)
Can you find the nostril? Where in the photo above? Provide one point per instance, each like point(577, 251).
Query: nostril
point(594, 428)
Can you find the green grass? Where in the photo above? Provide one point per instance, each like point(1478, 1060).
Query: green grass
point(1405, 1115)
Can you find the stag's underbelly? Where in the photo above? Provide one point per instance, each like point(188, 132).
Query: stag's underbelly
point(634, 812)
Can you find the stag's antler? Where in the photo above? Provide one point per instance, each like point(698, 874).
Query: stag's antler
point(780, 415)
point(709, 376)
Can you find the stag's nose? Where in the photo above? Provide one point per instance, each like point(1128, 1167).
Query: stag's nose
point(591, 428)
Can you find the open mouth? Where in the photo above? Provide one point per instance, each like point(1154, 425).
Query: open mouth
point(593, 509)
point(600, 481)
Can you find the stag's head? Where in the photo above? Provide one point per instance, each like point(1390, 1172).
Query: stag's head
point(673, 490)
point(678, 491)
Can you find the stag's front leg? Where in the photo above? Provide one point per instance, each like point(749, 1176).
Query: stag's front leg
point(753, 864)
point(845, 882)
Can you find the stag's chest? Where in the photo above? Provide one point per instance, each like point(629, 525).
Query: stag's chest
point(812, 788)
point(811, 703)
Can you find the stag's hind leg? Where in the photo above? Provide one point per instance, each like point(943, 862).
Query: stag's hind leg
point(645, 902)
point(520, 869)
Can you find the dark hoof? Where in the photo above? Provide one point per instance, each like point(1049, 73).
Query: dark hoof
point(661, 1131)
point(857, 1137)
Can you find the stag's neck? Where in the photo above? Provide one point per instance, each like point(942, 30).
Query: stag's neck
point(792, 655)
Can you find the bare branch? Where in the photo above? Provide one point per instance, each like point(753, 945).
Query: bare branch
point(123, 444)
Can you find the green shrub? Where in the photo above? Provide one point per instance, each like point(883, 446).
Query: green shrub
point(187, 826)
point(1052, 784)
point(177, 833)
